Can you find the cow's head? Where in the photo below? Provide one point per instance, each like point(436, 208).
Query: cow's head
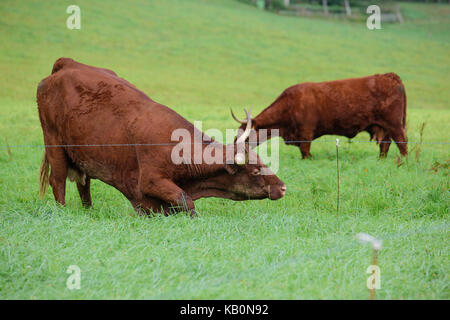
point(245, 181)
point(245, 176)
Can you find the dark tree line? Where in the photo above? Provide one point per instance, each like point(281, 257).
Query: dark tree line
point(391, 8)
point(269, 4)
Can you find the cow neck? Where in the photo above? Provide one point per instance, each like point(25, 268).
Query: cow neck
point(269, 118)
point(213, 186)
point(199, 171)
point(203, 170)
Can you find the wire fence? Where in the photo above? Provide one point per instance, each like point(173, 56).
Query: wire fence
point(349, 141)
point(205, 143)
point(337, 141)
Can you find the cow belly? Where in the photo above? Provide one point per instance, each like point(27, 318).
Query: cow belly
point(342, 127)
point(100, 162)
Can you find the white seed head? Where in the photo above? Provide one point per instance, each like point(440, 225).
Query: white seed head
point(364, 237)
point(367, 238)
point(376, 245)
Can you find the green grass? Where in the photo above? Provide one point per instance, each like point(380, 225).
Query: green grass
point(200, 57)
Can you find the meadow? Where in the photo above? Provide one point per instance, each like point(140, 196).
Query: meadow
point(200, 58)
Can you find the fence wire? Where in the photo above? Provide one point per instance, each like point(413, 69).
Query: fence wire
point(205, 143)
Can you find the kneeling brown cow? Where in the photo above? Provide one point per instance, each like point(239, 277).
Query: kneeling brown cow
point(99, 126)
point(307, 111)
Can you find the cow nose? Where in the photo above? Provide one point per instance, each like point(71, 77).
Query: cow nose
point(277, 193)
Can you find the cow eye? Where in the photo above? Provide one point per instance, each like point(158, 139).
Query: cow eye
point(256, 172)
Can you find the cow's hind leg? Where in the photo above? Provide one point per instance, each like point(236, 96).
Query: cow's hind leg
point(83, 184)
point(401, 140)
point(58, 174)
point(384, 146)
point(304, 149)
point(382, 137)
point(84, 190)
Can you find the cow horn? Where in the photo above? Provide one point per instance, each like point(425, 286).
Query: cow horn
point(239, 158)
point(235, 118)
point(248, 128)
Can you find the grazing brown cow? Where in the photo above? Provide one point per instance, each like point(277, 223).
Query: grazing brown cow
point(307, 111)
point(99, 126)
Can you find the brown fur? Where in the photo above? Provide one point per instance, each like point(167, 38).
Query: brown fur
point(84, 105)
point(307, 111)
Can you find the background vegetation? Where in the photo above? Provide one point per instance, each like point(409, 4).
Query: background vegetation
point(200, 58)
point(353, 10)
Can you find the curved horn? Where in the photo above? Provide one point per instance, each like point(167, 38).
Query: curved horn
point(239, 158)
point(234, 117)
point(248, 128)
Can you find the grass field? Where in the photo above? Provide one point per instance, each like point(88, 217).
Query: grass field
point(200, 58)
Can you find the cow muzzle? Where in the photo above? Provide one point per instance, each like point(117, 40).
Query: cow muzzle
point(277, 191)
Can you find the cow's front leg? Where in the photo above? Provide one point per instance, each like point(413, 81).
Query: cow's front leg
point(169, 192)
point(149, 206)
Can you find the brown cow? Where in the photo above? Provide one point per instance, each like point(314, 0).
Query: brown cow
point(99, 126)
point(307, 111)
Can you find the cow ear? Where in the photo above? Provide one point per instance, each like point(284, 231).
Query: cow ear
point(231, 168)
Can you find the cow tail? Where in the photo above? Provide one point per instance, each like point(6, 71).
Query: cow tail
point(401, 88)
point(404, 108)
point(44, 175)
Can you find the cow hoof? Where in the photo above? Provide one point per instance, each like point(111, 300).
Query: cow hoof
point(193, 214)
point(87, 205)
